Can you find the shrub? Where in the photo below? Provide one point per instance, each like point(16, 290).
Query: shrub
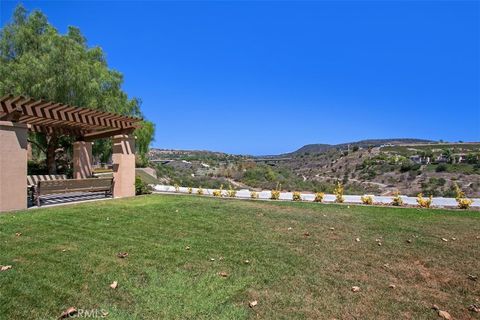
point(296, 196)
point(441, 168)
point(200, 191)
point(254, 195)
point(141, 187)
point(397, 200)
point(459, 194)
point(319, 196)
point(35, 167)
point(424, 202)
point(406, 166)
point(275, 195)
point(338, 191)
point(218, 193)
point(232, 193)
point(367, 199)
point(462, 201)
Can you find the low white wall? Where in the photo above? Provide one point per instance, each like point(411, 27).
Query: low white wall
point(244, 193)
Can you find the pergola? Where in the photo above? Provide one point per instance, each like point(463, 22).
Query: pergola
point(19, 114)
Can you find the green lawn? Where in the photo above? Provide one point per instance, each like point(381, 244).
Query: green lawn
point(67, 256)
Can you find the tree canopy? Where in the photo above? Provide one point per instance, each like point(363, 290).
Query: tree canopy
point(37, 61)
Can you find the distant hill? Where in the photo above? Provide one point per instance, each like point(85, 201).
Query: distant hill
point(320, 148)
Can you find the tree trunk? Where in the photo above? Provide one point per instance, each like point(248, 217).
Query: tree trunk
point(52, 142)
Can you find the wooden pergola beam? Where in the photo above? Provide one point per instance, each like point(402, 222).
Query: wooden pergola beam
point(105, 134)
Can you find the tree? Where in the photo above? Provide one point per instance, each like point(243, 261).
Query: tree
point(145, 135)
point(37, 61)
point(448, 154)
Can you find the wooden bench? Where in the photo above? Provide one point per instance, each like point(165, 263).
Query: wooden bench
point(49, 187)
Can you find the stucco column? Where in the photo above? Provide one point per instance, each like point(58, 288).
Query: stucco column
point(13, 166)
point(123, 158)
point(82, 160)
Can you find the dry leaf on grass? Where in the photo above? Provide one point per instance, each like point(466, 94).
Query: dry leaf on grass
point(68, 313)
point(212, 259)
point(114, 285)
point(444, 239)
point(247, 261)
point(5, 268)
point(441, 313)
point(409, 241)
point(474, 308)
point(355, 289)
point(357, 239)
point(18, 234)
point(472, 277)
point(187, 248)
point(223, 274)
point(444, 315)
point(289, 228)
point(392, 286)
point(253, 303)
point(122, 255)
point(332, 228)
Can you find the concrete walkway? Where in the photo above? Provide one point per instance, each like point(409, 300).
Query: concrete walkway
point(264, 195)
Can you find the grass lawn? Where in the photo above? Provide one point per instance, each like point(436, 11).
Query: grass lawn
point(67, 256)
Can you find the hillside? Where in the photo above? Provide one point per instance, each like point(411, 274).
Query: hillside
point(378, 166)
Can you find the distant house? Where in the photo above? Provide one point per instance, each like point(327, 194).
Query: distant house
point(459, 158)
point(420, 159)
point(464, 158)
point(442, 159)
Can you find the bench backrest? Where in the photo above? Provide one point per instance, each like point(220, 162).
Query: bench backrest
point(74, 185)
point(32, 180)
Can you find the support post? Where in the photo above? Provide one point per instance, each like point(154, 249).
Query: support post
point(123, 158)
point(82, 160)
point(13, 166)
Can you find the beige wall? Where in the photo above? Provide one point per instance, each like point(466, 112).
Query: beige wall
point(82, 160)
point(123, 158)
point(13, 166)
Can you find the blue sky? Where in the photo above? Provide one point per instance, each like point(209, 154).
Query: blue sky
point(269, 77)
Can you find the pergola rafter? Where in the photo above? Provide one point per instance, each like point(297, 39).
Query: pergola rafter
point(48, 117)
